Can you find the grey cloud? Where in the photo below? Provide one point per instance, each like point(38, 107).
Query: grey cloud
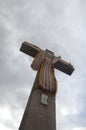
point(56, 25)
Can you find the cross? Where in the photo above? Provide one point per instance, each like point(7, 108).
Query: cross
point(40, 110)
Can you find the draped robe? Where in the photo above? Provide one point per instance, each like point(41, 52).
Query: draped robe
point(43, 62)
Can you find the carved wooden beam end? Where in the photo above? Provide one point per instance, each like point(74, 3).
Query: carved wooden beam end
point(29, 49)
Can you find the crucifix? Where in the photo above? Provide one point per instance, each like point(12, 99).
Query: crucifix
point(40, 109)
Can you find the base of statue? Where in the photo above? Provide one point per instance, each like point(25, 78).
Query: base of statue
point(40, 111)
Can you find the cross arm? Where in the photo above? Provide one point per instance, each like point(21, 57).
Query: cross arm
point(64, 66)
point(30, 49)
point(60, 64)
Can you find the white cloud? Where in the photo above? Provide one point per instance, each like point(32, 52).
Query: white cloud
point(10, 117)
point(5, 114)
point(81, 128)
point(3, 127)
point(68, 111)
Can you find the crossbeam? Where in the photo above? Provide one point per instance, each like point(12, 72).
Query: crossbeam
point(33, 50)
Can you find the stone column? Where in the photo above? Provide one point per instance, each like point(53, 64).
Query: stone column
point(40, 111)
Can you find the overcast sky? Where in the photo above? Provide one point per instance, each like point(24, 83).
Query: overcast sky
point(59, 25)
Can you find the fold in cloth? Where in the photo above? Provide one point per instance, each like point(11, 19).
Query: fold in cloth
point(46, 76)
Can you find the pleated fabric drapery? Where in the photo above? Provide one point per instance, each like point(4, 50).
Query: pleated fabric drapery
point(46, 77)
